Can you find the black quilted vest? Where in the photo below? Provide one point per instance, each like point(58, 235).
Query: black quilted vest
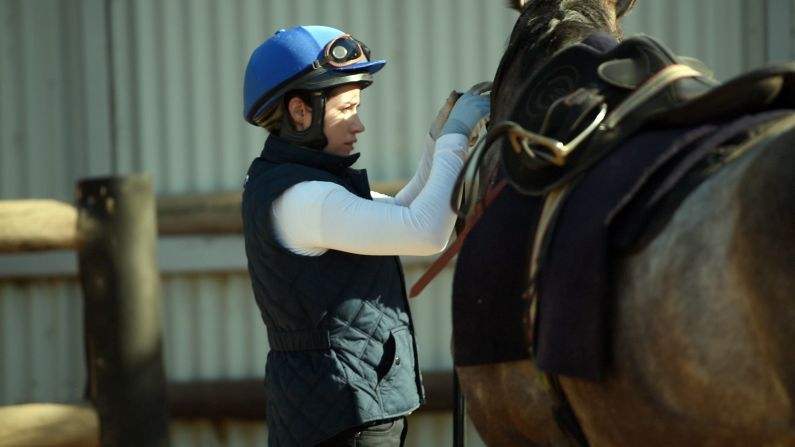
point(341, 336)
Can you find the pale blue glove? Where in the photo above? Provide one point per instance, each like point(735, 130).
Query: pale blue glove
point(467, 112)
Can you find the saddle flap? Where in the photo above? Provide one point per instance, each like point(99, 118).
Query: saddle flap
point(761, 89)
point(630, 74)
point(622, 73)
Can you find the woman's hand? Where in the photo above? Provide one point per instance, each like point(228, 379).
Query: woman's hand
point(467, 113)
point(441, 117)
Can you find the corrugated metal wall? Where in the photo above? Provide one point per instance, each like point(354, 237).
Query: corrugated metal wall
point(92, 87)
point(731, 36)
point(177, 69)
point(41, 342)
point(96, 87)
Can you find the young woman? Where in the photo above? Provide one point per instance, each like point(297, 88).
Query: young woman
point(323, 249)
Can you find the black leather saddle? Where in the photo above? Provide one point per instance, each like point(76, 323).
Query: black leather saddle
point(583, 102)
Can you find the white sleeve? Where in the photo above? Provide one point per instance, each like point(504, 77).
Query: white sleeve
point(409, 192)
point(412, 189)
point(312, 217)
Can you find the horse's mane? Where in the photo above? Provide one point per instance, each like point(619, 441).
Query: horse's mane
point(545, 27)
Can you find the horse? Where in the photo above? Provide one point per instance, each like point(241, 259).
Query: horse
point(702, 316)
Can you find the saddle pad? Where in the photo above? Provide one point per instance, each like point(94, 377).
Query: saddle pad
point(571, 334)
point(489, 310)
point(490, 277)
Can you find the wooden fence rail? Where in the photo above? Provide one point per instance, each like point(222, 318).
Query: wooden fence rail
point(216, 213)
point(114, 229)
point(35, 225)
point(49, 425)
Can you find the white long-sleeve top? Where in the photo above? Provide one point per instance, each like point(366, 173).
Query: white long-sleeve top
point(313, 217)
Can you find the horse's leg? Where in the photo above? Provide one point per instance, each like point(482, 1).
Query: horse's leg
point(509, 405)
point(705, 321)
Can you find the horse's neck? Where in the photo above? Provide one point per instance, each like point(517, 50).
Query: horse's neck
point(544, 28)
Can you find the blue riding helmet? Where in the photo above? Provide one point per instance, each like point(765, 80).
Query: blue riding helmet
point(303, 58)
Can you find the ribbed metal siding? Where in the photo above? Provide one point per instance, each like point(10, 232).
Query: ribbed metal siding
point(212, 328)
point(92, 87)
point(41, 342)
point(54, 113)
point(731, 36)
point(177, 76)
point(174, 68)
point(723, 33)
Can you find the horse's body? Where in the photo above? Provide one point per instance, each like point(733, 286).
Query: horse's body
point(703, 320)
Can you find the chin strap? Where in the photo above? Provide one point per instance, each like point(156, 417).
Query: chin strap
point(313, 136)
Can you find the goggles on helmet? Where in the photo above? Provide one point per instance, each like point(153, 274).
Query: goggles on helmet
point(343, 51)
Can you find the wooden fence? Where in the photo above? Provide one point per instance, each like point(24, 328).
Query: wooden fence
point(113, 228)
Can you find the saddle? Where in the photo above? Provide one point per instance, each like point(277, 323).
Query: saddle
point(578, 108)
point(583, 102)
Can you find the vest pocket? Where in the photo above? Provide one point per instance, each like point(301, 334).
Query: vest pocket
point(398, 390)
point(387, 358)
point(398, 355)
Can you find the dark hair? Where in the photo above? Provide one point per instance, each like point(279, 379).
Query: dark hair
point(271, 119)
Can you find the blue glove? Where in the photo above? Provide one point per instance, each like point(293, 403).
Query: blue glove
point(467, 112)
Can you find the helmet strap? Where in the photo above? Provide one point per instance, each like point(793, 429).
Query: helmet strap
point(313, 136)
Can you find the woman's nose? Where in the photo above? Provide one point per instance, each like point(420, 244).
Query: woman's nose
point(356, 124)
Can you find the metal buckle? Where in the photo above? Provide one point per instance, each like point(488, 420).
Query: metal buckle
point(521, 138)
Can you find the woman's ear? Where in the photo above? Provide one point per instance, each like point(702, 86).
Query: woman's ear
point(300, 113)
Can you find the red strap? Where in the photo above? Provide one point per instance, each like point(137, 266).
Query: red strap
point(454, 248)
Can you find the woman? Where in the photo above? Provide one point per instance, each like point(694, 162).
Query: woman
point(323, 249)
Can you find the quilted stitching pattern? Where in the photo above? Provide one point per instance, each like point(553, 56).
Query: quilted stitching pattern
point(360, 300)
point(307, 389)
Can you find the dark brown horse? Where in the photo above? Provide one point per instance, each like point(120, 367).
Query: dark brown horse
point(703, 321)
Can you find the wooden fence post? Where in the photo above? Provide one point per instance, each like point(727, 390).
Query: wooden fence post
point(117, 259)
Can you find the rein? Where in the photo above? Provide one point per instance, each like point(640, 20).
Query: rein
point(475, 212)
point(455, 247)
point(472, 213)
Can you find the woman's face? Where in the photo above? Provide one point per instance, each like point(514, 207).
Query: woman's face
point(341, 123)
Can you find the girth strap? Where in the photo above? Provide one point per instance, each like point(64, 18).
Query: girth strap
point(564, 414)
point(311, 340)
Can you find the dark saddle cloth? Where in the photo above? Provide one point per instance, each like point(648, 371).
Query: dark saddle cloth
point(614, 208)
point(572, 333)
